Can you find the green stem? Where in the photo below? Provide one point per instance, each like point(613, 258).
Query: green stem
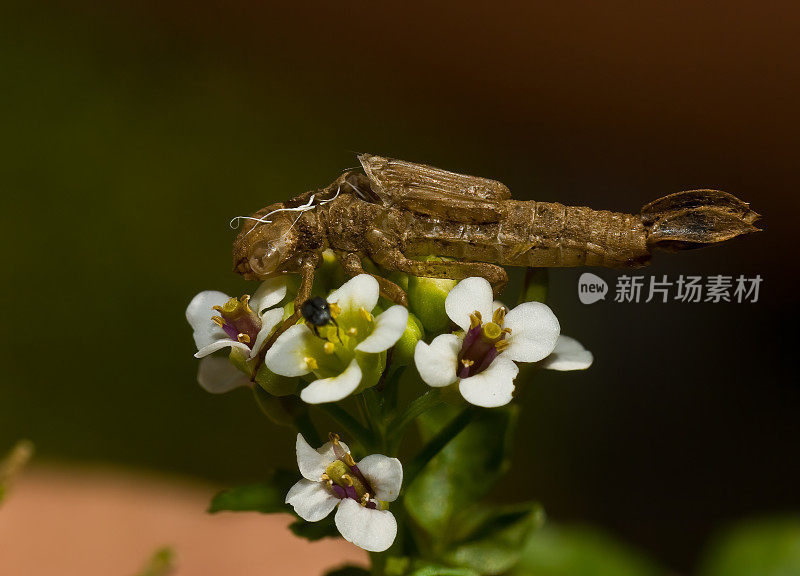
point(419, 406)
point(435, 444)
point(306, 427)
point(352, 427)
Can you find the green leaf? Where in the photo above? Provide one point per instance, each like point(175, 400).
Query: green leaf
point(561, 551)
point(463, 472)
point(349, 570)
point(493, 536)
point(267, 497)
point(765, 547)
point(313, 531)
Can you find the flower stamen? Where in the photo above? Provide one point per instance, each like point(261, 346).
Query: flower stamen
point(311, 362)
point(245, 300)
point(475, 319)
point(365, 314)
point(499, 315)
point(328, 347)
point(243, 338)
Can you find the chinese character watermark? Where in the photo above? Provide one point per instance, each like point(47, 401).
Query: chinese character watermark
point(684, 288)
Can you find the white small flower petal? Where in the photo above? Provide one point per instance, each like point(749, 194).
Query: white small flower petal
point(269, 320)
point(385, 475)
point(437, 362)
point(492, 387)
point(218, 375)
point(287, 356)
point(199, 314)
point(313, 462)
point(389, 326)
point(372, 530)
point(360, 291)
point(219, 345)
point(569, 354)
point(335, 388)
point(311, 500)
point(534, 332)
point(466, 297)
point(269, 293)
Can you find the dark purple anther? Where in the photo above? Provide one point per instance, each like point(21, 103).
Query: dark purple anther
point(339, 491)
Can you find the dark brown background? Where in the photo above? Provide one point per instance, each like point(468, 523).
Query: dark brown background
point(133, 133)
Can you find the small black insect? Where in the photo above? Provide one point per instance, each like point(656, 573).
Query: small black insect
point(317, 312)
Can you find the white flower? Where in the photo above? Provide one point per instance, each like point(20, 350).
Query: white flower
point(331, 478)
point(569, 354)
point(482, 358)
point(243, 325)
point(345, 354)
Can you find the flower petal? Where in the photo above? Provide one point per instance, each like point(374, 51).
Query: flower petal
point(384, 474)
point(269, 320)
point(372, 530)
point(534, 332)
point(569, 354)
point(219, 345)
point(199, 313)
point(288, 354)
point(311, 500)
point(218, 375)
point(312, 463)
point(271, 291)
point(492, 387)
point(389, 326)
point(437, 362)
point(335, 388)
point(466, 297)
point(360, 291)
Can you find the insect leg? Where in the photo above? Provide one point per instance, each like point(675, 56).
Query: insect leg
point(388, 289)
point(303, 293)
point(390, 256)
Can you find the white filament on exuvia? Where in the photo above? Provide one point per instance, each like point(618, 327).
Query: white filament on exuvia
point(234, 223)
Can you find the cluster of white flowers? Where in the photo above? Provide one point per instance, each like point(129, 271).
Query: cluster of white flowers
point(349, 355)
point(481, 358)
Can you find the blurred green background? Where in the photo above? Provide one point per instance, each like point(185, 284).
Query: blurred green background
point(133, 132)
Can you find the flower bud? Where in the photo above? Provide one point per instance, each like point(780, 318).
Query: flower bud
point(426, 298)
point(404, 349)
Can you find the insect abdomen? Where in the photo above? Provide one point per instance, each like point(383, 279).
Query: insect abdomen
point(539, 234)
